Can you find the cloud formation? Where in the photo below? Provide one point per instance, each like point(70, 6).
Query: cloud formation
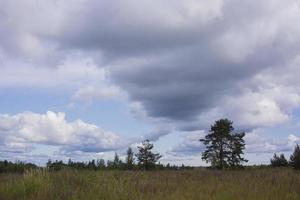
point(215, 74)
point(179, 60)
point(181, 64)
point(22, 131)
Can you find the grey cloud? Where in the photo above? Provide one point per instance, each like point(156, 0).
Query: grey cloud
point(190, 145)
point(179, 60)
point(132, 27)
point(156, 134)
point(196, 78)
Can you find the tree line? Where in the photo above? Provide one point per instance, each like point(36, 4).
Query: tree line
point(224, 149)
point(146, 160)
point(281, 161)
point(17, 167)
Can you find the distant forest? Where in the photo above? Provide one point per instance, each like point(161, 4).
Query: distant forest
point(224, 150)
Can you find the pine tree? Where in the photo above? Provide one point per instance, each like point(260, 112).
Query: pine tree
point(295, 158)
point(117, 163)
point(279, 161)
point(146, 158)
point(129, 159)
point(223, 147)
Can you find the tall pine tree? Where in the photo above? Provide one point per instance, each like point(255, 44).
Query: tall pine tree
point(223, 147)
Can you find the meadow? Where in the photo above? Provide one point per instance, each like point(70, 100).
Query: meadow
point(200, 184)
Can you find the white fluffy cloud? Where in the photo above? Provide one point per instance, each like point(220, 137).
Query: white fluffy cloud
point(23, 130)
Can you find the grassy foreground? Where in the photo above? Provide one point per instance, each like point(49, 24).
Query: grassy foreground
point(264, 184)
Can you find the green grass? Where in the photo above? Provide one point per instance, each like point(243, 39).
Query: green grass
point(256, 184)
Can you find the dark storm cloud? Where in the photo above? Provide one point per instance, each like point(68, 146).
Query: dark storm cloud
point(177, 59)
point(130, 28)
point(186, 63)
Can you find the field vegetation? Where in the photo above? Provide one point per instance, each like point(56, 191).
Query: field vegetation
point(142, 177)
point(247, 184)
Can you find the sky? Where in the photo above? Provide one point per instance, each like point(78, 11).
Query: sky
point(83, 79)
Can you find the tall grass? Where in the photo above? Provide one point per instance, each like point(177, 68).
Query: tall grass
point(259, 184)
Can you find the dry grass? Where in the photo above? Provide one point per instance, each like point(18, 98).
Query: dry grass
point(263, 184)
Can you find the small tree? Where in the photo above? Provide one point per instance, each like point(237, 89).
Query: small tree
point(295, 158)
point(223, 147)
point(146, 158)
point(279, 161)
point(117, 163)
point(109, 164)
point(92, 164)
point(101, 164)
point(129, 159)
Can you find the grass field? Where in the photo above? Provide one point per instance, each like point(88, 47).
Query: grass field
point(254, 184)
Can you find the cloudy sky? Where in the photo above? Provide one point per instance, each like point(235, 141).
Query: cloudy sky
point(83, 79)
